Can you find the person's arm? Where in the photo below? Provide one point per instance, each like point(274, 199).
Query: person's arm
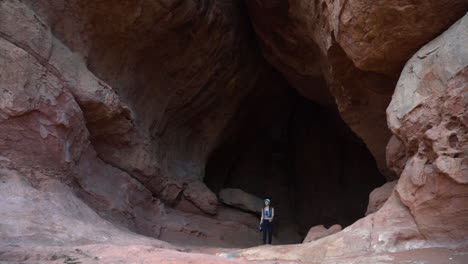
point(272, 214)
point(261, 219)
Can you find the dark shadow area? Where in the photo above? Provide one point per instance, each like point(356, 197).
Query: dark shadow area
point(301, 155)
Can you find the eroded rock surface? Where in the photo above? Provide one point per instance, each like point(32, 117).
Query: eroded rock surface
point(359, 46)
point(318, 232)
point(428, 113)
point(114, 139)
point(109, 111)
point(241, 199)
point(426, 208)
point(379, 196)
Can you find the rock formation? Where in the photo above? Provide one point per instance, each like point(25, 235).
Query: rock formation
point(241, 199)
point(124, 123)
point(379, 196)
point(343, 42)
point(318, 232)
point(428, 113)
point(426, 210)
point(135, 136)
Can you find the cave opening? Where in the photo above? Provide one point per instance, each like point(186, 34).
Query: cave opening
point(302, 156)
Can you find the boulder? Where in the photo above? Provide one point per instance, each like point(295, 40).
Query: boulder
point(242, 200)
point(428, 115)
point(202, 197)
point(379, 196)
point(318, 232)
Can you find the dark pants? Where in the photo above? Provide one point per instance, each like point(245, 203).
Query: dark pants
point(267, 228)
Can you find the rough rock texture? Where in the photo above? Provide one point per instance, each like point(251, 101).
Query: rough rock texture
point(120, 154)
point(43, 129)
point(109, 111)
point(396, 155)
point(109, 254)
point(427, 208)
point(428, 113)
point(171, 104)
point(359, 46)
point(379, 196)
point(47, 213)
point(176, 111)
point(240, 199)
point(318, 232)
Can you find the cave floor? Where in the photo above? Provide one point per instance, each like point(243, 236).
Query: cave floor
point(104, 253)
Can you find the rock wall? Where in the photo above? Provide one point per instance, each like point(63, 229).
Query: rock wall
point(428, 115)
point(124, 101)
point(121, 104)
point(359, 46)
point(181, 67)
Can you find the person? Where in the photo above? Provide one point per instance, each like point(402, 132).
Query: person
point(266, 221)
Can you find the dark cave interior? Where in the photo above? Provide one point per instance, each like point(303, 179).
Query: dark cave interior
point(302, 156)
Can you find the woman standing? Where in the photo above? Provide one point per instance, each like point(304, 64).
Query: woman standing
point(266, 224)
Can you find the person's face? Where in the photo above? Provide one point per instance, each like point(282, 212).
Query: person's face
point(266, 203)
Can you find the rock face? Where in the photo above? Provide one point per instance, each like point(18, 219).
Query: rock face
point(318, 232)
point(173, 126)
point(240, 199)
point(428, 115)
point(112, 113)
point(379, 196)
point(426, 209)
point(135, 138)
point(52, 215)
point(396, 155)
point(343, 41)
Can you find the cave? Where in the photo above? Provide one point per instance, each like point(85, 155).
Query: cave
point(123, 123)
point(301, 155)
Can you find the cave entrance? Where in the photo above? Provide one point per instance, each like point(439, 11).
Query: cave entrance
point(302, 156)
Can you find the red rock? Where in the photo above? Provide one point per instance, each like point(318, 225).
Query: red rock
point(427, 113)
point(318, 232)
point(240, 199)
point(109, 111)
point(201, 197)
point(379, 196)
point(343, 42)
point(96, 133)
point(396, 155)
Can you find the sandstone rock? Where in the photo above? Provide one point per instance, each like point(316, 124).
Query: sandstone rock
point(318, 232)
point(179, 107)
point(396, 155)
point(230, 214)
point(38, 210)
point(342, 41)
point(194, 230)
point(145, 141)
point(240, 199)
point(111, 254)
point(379, 196)
point(97, 102)
point(201, 197)
point(428, 114)
point(48, 100)
point(425, 210)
